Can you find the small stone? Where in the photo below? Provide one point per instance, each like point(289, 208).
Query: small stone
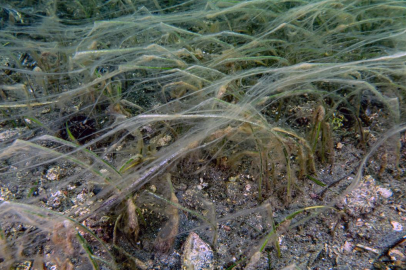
point(233, 189)
point(396, 226)
point(59, 199)
point(359, 223)
point(6, 194)
point(223, 249)
point(161, 141)
point(23, 266)
point(202, 184)
point(385, 192)
point(53, 173)
point(248, 187)
point(81, 198)
point(226, 228)
point(196, 199)
point(396, 254)
point(361, 200)
point(233, 178)
point(8, 134)
point(152, 188)
point(398, 257)
point(348, 247)
point(197, 254)
point(181, 186)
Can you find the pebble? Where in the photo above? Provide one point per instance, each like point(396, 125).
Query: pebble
point(233, 189)
point(53, 173)
point(363, 199)
point(385, 192)
point(348, 247)
point(398, 257)
point(23, 266)
point(397, 226)
point(8, 134)
point(197, 254)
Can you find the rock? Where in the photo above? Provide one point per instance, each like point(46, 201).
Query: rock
point(197, 254)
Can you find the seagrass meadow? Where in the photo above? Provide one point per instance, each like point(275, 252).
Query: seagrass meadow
point(218, 134)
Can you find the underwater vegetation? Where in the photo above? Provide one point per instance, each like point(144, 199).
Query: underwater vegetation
point(113, 111)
